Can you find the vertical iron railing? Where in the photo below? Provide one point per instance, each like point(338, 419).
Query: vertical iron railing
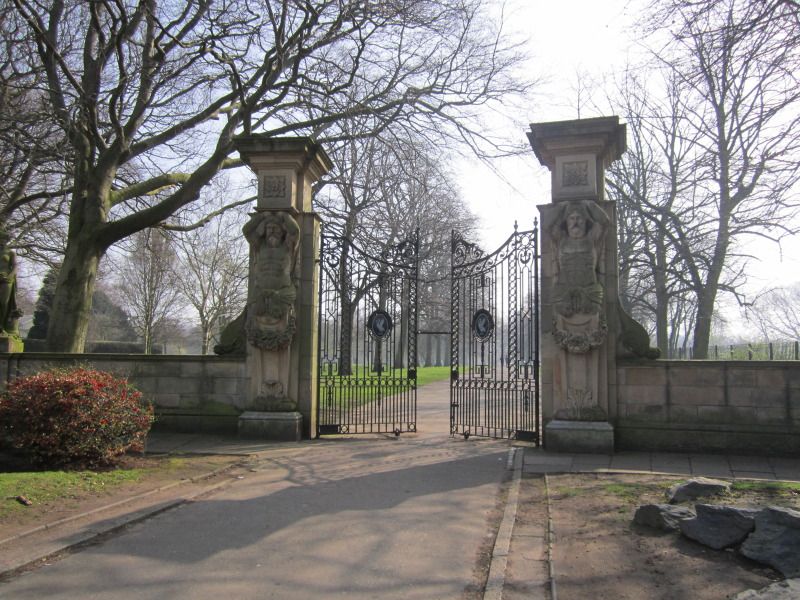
point(367, 337)
point(494, 389)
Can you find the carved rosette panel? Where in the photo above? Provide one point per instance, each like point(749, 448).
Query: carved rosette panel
point(575, 173)
point(274, 186)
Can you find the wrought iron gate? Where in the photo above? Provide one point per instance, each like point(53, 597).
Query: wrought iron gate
point(367, 338)
point(494, 347)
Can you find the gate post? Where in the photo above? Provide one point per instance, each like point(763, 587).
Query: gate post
point(579, 314)
point(282, 300)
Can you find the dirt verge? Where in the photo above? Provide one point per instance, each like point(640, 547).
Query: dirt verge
point(600, 554)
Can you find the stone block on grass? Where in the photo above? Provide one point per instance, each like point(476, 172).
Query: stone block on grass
point(788, 589)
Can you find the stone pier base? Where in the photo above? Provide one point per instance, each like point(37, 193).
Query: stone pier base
point(11, 344)
point(595, 437)
point(271, 426)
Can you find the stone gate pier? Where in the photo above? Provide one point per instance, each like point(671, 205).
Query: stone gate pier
point(280, 319)
point(579, 302)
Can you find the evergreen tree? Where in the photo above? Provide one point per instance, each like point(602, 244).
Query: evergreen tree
point(41, 312)
point(107, 322)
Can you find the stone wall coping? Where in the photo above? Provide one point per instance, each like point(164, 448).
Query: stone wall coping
point(579, 425)
point(754, 364)
point(732, 428)
point(121, 357)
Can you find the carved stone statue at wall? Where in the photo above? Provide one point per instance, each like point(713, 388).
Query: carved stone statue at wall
point(578, 232)
point(9, 313)
point(274, 241)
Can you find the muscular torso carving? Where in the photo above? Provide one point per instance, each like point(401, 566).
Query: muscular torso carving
point(273, 238)
point(578, 232)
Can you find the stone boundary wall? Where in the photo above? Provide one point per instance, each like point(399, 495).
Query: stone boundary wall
point(190, 393)
point(709, 406)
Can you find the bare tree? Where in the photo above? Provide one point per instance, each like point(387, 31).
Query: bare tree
point(651, 185)
point(32, 153)
point(146, 286)
point(384, 190)
point(763, 13)
point(777, 313)
point(149, 96)
point(735, 103)
point(211, 271)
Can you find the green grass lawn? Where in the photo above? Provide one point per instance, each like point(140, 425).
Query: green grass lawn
point(768, 488)
point(426, 375)
point(364, 386)
point(41, 487)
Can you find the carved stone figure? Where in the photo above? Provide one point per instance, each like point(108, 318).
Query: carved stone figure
point(274, 242)
point(232, 340)
point(578, 233)
point(633, 340)
point(9, 313)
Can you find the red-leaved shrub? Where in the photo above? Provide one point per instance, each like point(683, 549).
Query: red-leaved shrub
point(74, 415)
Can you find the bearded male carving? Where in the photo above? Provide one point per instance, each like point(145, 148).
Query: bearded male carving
point(578, 232)
point(274, 241)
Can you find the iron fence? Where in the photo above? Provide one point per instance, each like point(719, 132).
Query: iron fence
point(782, 350)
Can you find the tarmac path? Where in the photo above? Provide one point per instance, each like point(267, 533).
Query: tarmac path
point(350, 517)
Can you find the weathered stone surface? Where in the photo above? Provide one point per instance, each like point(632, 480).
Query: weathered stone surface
point(788, 589)
point(271, 426)
point(664, 517)
point(580, 436)
point(776, 540)
point(719, 527)
point(700, 487)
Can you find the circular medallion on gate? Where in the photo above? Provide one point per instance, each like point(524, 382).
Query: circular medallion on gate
point(379, 324)
point(482, 324)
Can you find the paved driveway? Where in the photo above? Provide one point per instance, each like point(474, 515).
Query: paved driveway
point(373, 517)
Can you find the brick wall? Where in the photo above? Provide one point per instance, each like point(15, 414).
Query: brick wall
point(719, 406)
point(190, 393)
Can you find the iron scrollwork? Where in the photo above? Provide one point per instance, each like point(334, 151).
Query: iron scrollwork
point(367, 336)
point(494, 384)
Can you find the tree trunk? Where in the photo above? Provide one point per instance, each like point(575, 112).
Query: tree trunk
point(205, 330)
point(148, 338)
point(346, 310)
point(402, 343)
point(429, 360)
point(702, 324)
point(662, 296)
point(707, 295)
point(72, 301)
